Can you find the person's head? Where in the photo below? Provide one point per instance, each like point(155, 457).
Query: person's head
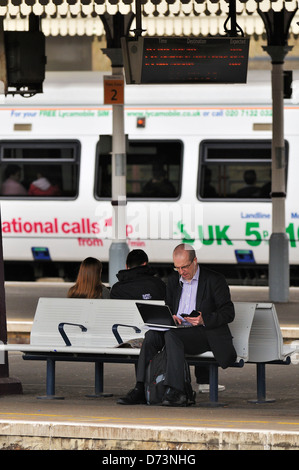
point(250, 177)
point(159, 173)
point(88, 283)
point(136, 258)
point(185, 261)
point(13, 172)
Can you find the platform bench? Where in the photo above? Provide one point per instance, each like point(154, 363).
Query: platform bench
point(102, 331)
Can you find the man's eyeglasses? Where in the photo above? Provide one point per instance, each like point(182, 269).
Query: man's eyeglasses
point(183, 268)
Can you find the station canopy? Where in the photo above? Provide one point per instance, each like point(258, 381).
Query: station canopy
point(159, 17)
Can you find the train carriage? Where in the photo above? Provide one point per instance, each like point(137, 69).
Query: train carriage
point(198, 170)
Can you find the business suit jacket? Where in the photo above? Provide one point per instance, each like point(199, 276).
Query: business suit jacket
point(214, 302)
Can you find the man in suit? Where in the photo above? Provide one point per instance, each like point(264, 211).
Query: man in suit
point(200, 291)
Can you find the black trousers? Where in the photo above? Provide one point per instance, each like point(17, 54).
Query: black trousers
point(178, 342)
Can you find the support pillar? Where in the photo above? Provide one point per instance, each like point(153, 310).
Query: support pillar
point(279, 275)
point(277, 25)
point(117, 26)
point(118, 249)
point(8, 385)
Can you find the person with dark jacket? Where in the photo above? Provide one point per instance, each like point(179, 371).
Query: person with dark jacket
point(138, 280)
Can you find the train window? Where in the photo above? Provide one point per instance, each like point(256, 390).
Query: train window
point(239, 169)
point(44, 169)
point(154, 169)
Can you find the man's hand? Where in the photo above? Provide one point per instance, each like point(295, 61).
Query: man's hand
point(177, 319)
point(195, 321)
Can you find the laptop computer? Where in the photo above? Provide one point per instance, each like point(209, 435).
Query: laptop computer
point(157, 316)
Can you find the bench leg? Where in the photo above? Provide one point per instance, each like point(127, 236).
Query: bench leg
point(261, 385)
point(50, 386)
point(99, 382)
point(213, 383)
point(213, 372)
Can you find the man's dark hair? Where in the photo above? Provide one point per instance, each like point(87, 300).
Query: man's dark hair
point(136, 258)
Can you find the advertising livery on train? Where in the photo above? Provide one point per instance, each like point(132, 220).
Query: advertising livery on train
point(198, 169)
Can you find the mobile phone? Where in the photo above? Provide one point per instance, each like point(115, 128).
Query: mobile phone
point(194, 313)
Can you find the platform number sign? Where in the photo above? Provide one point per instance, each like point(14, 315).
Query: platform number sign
point(114, 89)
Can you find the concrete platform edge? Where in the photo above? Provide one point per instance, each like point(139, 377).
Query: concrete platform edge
point(23, 435)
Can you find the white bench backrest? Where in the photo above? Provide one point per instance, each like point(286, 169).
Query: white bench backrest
point(265, 341)
point(256, 333)
point(98, 316)
point(241, 326)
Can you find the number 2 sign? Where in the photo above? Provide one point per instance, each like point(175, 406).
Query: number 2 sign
point(114, 89)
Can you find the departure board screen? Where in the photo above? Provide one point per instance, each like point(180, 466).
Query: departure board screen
point(186, 60)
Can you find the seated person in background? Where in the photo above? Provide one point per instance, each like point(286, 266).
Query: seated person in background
point(250, 190)
point(138, 280)
point(266, 190)
point(42, 187)
point(12, 186)
point(159, 185)
point(208, 189)
point(89, 284)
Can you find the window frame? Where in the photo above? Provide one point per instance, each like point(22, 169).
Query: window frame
point(148, 141)
point(43, 143)
point(227, 143)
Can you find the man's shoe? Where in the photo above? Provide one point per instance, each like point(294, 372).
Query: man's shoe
point(173, 397)
point(133, 397)
point(205, 388)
